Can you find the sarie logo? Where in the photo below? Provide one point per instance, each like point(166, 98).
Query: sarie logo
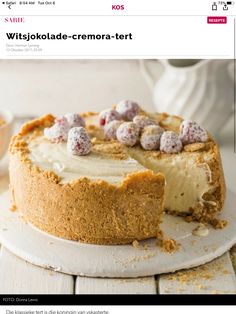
point(118, 7)
point(14, 20)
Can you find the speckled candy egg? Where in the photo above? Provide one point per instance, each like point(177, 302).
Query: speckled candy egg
point(170, 143)
point(150, 138)
point(128, 133)
point(110, 129)
point(128, 109)
point(74, 119)
point(78, 142)
point(143, 121)
point(191, 132)
point(108, 115)
point(59, 131)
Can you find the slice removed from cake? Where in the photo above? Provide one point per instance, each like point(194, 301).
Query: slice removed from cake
point(195, 185)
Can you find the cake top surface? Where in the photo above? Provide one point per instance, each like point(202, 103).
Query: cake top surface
point(108, 159)
point(105, 162)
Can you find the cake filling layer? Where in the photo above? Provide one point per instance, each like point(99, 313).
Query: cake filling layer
point(186, 180)
point(54, 156)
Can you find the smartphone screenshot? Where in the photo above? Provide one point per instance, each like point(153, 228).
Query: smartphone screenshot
point(117, 156)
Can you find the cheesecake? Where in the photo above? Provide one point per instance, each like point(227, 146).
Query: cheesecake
point(104, 178)
point(106, 197)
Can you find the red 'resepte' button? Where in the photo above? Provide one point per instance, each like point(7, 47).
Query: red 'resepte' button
point(217, 19)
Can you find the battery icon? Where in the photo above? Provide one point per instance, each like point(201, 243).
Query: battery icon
point(229, 2)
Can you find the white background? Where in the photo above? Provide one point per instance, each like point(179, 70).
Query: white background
point(35, 88)
point(153, 36)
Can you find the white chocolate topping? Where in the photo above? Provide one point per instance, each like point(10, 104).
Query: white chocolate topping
point(54, 156)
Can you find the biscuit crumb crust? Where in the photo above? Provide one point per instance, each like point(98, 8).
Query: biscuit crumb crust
point(97, 211)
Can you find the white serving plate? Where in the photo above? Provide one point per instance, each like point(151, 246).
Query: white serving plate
point(76, 258)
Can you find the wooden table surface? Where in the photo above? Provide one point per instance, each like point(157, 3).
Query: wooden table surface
point(20, 277)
